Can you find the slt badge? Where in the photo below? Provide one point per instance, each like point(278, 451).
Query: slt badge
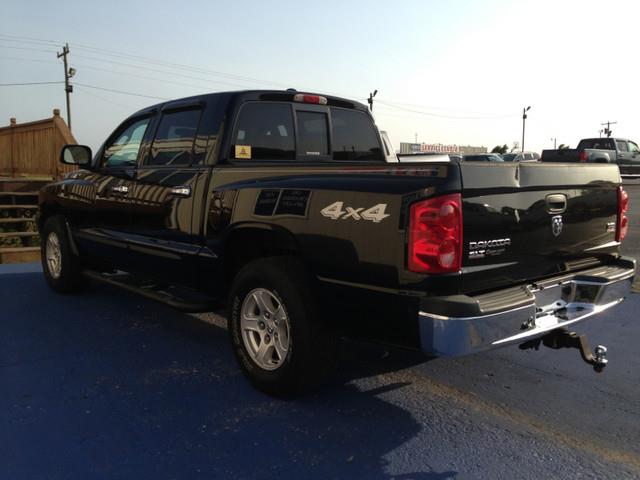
point(556, 225)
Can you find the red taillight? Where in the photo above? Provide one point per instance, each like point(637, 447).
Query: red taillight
point(623, 222)
point(304, 98)
point(435, 235)
point(583, 156)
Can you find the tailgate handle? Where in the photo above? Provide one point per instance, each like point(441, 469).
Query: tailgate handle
point(556, 203)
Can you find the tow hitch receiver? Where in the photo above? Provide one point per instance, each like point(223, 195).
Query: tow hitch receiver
point(563, 338)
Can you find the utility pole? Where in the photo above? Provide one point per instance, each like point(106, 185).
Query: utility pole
point(607, 129)
point(554, 142)
point(524, 117)
point(68, 88)
point(370, 99)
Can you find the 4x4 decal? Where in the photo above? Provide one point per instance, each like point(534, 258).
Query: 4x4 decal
point(375, 214)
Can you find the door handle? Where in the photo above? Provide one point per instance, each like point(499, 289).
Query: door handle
point(181, 191)
point(123, 189)
point(556, 203)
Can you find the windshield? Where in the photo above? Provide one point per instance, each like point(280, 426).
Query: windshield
point(509, 157)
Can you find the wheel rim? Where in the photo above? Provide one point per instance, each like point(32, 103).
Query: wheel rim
point(53, 254)
point(265, 329)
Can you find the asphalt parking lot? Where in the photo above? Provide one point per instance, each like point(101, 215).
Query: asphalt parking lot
point(111, 385)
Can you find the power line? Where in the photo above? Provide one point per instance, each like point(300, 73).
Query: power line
point(148, 69)
point(166, 64)
point(119, 91)
point(28, 83)
point(31, 39)
point(437, 115)
point(22, 59)
point(30, 42)
point(88, 92)
point(28, 48)
point(128, 74)
point(137, 58)
point(446, 109)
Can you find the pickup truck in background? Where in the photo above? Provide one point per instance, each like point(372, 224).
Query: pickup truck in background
point(282, 207)
point(624, 153)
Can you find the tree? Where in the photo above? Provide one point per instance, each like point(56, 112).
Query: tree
point(500, 149)
point(562, 146)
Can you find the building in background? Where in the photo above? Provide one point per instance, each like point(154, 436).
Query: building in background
point(469, 150)
point(29, 158)
point(407, 148)
point(32, 150)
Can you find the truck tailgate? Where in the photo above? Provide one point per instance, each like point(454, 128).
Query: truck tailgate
point(526, 221)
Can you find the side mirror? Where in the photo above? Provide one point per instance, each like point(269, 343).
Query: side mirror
point(79, 155)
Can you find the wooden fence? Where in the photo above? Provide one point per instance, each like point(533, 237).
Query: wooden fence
point(32, 150)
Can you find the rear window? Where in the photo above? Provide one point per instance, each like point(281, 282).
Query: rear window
point(598, 143)
point(353, 136)
point(173, 143)
point(313, 137)
point(264, 132)
point(267, 131)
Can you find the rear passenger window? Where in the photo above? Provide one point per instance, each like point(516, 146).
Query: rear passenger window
point(622, 146)
point(264, 132)
point(173, 143)
point(313, 136)
point(353, 136)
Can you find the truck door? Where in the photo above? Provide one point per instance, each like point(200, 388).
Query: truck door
point(634, 158)
point(623, 157)
point(164, 193)
point(104, 231)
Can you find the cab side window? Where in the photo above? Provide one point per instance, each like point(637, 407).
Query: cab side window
point(264, 132)
point(633, 147)
point(123, 150)
point(622, 146)
point(174, 139)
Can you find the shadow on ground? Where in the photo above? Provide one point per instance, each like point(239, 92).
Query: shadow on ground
point(110, 385)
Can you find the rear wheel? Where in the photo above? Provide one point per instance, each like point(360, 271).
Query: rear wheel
point(277, 337)
point(62, 269)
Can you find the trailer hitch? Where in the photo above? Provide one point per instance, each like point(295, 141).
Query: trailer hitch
point(563, 338)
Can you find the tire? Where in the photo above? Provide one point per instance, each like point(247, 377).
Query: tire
point(277, 338)
point(62, 268)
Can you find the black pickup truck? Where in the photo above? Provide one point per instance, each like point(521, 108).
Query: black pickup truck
point(284, 207)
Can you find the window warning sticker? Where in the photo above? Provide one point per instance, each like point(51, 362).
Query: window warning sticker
point(243, 151)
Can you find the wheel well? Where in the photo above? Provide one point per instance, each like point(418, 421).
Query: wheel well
point(248, 244)
point(44, 213)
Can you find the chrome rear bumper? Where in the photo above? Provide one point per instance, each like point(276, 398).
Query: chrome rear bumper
point(541, 307)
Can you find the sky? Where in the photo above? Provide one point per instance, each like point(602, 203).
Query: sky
point(450, 72)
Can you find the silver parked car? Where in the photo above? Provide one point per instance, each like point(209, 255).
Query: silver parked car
point(521, 157)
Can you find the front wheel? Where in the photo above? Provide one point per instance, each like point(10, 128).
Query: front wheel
point(61, 267)
point(280, 342)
